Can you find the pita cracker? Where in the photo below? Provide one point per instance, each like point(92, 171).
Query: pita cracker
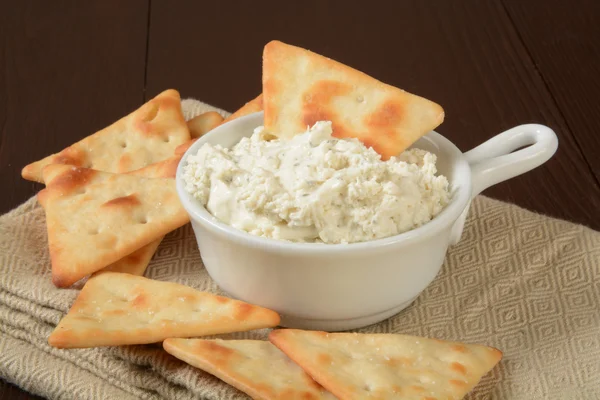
point(96, 218)
point(134, 263)
point(149, 134)
point(254, 105)
point(203, 123)
point(255, 367)
point(387, 366)
point(117, 309)
point(301, 88)
point(162, 169)
point(137, 262)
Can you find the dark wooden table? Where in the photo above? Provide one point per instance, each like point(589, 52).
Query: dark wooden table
point(69, 68)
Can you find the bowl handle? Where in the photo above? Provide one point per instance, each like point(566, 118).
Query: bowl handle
point(496, 160)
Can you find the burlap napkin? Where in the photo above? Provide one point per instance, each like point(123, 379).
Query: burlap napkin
point(524, 283)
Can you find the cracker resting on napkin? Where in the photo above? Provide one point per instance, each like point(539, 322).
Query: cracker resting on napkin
point(96, 218)
point(386, 366)
point(117, 309)
point(137, 262)
point(134, 263)
point(255, 367)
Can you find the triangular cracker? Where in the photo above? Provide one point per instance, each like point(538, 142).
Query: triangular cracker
point(301, 88)
point(148, 135)
point(387, 366)
point(134, 263)
point(255, 367)
point(254, 105)
point(116, 309)
point(137, 262)
point(96, 218)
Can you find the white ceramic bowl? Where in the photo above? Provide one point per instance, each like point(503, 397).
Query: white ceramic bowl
point(339, 287)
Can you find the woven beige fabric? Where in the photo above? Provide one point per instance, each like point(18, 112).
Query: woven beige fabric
point(524, 283)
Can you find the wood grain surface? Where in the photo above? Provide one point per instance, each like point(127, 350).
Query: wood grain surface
point(566, 53)
point(72, 68)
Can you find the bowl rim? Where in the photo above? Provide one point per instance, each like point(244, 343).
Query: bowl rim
point(461, 195)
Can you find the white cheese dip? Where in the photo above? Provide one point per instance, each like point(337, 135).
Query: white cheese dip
point(315, 188)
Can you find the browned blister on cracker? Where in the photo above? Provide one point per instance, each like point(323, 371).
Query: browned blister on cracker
point(118, 309)
point(255, 367)
point(95, 218)
point(387, 366)
point(147, 135)
point(136, 262)
point(301, 88)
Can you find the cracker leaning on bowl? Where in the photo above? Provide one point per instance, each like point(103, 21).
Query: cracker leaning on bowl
point(301, 88)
